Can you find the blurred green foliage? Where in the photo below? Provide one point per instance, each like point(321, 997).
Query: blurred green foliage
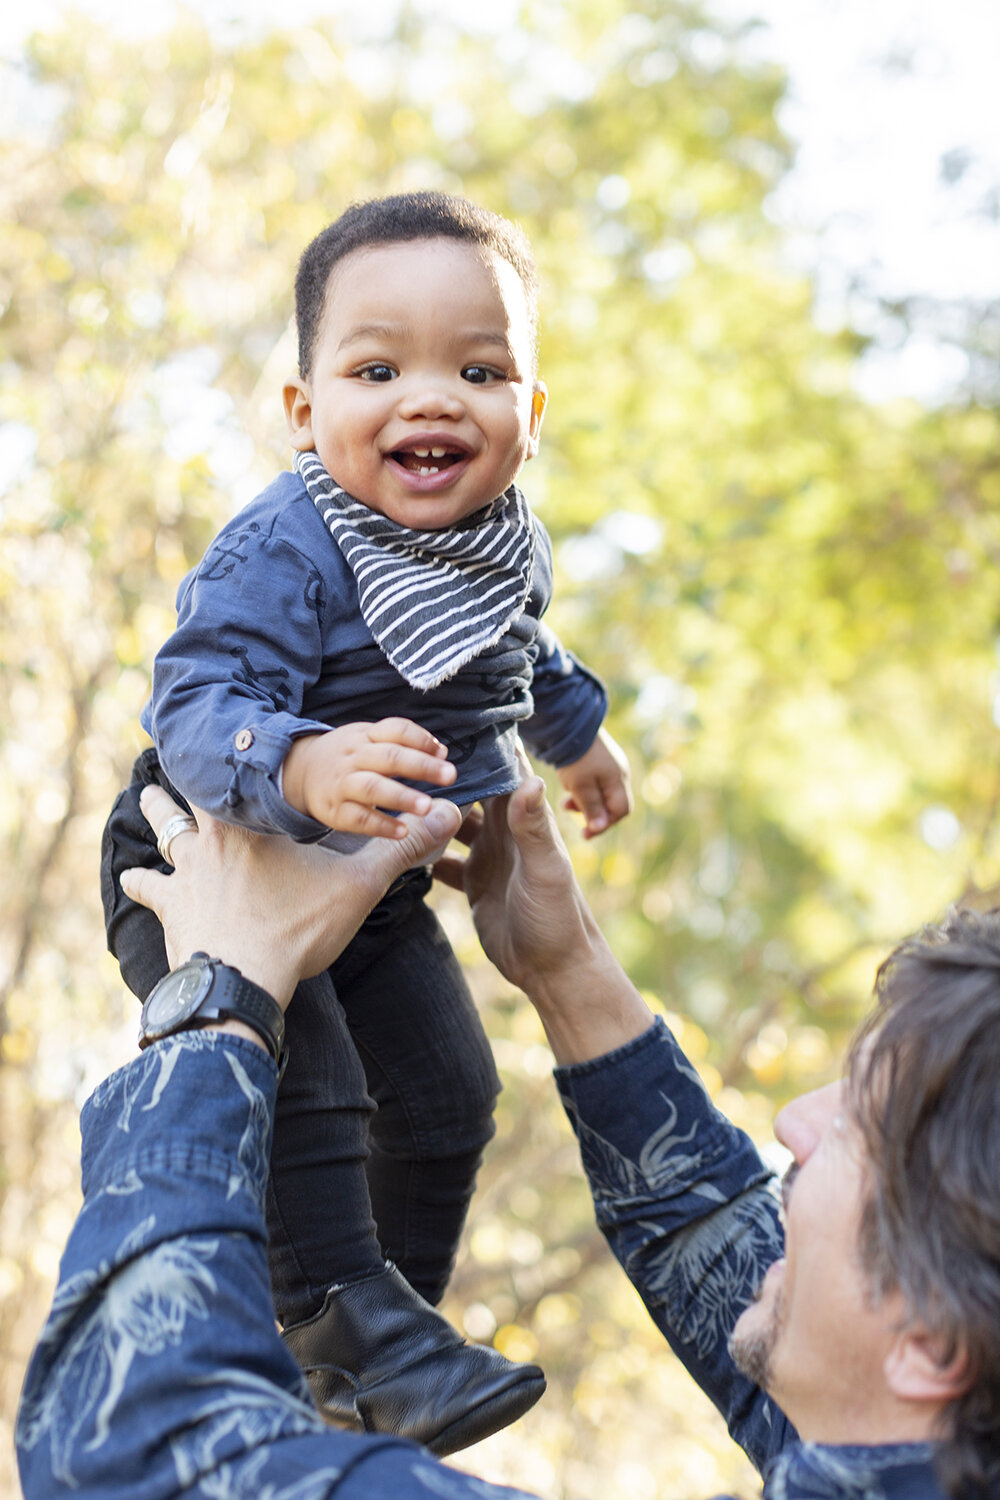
point(790, 593)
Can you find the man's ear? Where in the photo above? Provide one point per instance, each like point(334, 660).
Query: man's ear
point(297, 400)
point(539, 399)
point(916, 1368)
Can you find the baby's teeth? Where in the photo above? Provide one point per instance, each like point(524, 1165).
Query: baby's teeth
point(438, 452)
point(422, 452)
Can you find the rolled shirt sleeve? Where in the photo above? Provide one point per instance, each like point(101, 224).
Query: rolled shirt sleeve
point(230, 684)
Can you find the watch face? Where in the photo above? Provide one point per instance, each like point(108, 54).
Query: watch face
point(174, 999)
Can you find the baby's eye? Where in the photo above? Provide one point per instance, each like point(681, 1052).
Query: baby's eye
point(480, 374)
point(378, 373)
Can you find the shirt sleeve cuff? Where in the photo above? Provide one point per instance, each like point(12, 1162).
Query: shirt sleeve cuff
point(650, 1136)
point(167, 1108)
point(259, 751)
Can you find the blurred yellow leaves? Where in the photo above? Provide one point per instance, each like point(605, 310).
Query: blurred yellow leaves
point(17, 1047)
point(515, 1342)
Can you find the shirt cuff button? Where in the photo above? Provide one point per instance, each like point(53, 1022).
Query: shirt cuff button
point(244, 739)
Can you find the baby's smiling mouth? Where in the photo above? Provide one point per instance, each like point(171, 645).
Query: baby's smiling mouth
point(427, 460)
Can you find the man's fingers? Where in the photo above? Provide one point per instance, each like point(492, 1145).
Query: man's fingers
point(157, 807)
point(450, 871)
point(147, 888)
point(533, 828)
point(168, 820)
point(472, 822)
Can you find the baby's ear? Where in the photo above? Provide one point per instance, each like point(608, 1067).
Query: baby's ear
point(539, 400)
point(297, 400)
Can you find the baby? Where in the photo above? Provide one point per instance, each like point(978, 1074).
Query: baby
point(365, 633)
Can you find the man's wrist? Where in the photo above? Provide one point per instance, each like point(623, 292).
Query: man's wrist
point(268, 971)
point(238, 1028)
point(589, 1007)
point(210, 992)
point(273, 978)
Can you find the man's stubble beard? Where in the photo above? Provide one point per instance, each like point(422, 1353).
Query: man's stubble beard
point(752, 1353)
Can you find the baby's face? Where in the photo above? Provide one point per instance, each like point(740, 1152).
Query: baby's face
point(421, 402)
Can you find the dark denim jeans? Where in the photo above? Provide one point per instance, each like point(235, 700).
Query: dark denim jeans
point(387, 1100)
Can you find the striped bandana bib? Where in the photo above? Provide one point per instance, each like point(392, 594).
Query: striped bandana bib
point(433, 600)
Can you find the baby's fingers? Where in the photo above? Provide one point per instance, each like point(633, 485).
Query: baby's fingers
point(588, 801)
point(617, 800)
point(389, 756)
point(399, 731)
point(364, 801)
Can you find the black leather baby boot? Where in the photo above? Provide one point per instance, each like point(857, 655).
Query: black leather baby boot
point(378, 1358)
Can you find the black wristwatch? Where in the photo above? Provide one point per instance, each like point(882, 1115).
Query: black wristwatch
point(205, 990)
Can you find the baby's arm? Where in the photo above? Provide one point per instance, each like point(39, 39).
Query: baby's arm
point(598, 785)
point(342, 777)
point(570, 703)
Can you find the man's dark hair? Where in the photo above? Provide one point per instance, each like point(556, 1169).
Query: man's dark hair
point(924, 1087)
point(395, 221)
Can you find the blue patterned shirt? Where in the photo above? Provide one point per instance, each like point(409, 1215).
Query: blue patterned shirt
point(160, 1372)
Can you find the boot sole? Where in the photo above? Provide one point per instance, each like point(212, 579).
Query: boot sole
point(490, 1417)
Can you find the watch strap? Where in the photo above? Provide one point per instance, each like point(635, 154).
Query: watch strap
point(242, 1000)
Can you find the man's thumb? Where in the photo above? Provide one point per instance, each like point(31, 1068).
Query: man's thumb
point(527, 809)
point(428, 835)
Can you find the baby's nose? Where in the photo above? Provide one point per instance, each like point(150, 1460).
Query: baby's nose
point(431, 399)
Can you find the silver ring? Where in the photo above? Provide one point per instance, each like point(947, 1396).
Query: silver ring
point(179, 823)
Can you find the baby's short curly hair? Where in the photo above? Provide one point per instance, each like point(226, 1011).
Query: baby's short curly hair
point(397, 220)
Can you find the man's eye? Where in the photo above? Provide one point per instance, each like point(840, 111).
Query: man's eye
point(480, 374)
point(787, 1182)
point(378, 374)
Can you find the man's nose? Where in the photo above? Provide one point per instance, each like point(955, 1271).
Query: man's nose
point(802, 1124)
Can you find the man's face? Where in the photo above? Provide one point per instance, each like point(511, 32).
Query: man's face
point(814, 1338)
point(420, 401)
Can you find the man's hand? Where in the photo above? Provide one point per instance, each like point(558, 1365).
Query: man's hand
point(343, 776)
point(529, 911)
point(599, 785)
point(278, 911)
point(535, 925)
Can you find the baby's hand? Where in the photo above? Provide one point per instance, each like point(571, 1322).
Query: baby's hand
point(599, 785)
point(343, 776)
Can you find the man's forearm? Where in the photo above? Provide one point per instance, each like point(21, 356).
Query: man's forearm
point(162, 1321)
point(683, 1199)
point(160, 1371)
point(589, 1006)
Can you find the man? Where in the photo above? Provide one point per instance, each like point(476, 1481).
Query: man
point(876, 1333)
point(869, 1365)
